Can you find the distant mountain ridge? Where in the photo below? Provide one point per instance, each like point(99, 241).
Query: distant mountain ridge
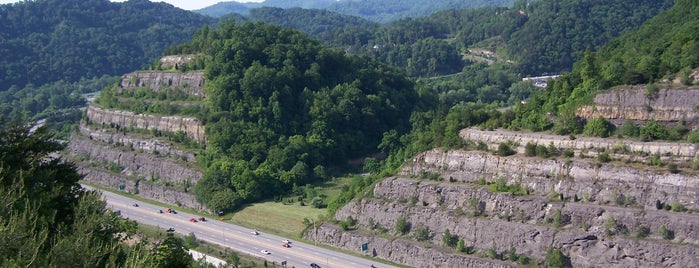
point(375, 10)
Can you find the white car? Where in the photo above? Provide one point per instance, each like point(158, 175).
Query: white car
point(286, 241)
point(254, 233)
point(266, 252)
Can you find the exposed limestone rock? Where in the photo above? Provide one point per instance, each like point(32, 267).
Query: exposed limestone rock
point(136, 165)
point(138, 144)
point(159, 192)
point(527, 228)
point(398, 250)
point(191, 83)
point(632, 103)
point(577, 178)
point(172, 61)
point(192, 127)
point(681, 151)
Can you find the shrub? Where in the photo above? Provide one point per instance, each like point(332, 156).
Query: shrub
point(665, 233)
point(642, 231)
point(598, 127)
point(568, 152)
point(530, 148)
point(604, 157)
point(422, 233)
point(672, 167)
point(402, 226)
point(505, 150)
point(556, 258)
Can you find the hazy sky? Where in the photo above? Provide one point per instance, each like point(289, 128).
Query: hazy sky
point(183, 4)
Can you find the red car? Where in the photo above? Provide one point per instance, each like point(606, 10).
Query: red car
point(192, 220)
point(286, 245)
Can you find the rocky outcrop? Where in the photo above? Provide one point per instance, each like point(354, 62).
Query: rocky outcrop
point(153, 176)
point(192, 127)
point(162, 193)
point(151, 145)
point(530, 224)
point(173, 61)
point(634, 103)
point(140, 165)
point(191, 83)
point(599, 215)
point(635, 151)
point(601, 182)
point(398, 250)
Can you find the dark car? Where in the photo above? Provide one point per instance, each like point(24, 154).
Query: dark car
point(315, 265)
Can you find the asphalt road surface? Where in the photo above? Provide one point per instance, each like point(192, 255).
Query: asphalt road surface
point(238, 238)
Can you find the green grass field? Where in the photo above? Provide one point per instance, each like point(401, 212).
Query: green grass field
point(277, 217)
point(286, 219)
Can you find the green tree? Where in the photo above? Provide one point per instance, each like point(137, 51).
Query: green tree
point(598, 127)
point(556, 258)
point(171, 252)
point(402, 226)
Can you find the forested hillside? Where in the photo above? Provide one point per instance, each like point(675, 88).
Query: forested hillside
point(668, 44)
point(49, 40)
point(48, 220)
point(285, 109)
point(375, 10)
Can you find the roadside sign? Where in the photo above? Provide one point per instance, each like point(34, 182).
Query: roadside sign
point(365, 246)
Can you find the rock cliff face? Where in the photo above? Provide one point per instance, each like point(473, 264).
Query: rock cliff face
point(191, 83)
point(118, 119)
point(628, 150)
point(622, 214)
point(634, 103)
point(600, 227)
point(112, 149)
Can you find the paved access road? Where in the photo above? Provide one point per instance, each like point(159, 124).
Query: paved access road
point(238, 238)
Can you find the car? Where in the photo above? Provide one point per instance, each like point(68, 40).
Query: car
point(254, 232)
point(286, 241)
point(160, 211)
point(135, 204)
point(315, 265)
point(202, 219)
point(192, 220)
point(266, 252)
point(286, 245)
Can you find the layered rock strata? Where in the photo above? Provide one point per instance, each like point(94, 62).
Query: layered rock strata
point(597, 215)
point(190, 83)
point(192, 127)
point(631, 150)
point(639, 104)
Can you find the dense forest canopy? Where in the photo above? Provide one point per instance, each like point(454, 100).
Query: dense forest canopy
point(666, 45)
point(374, 10)
point(45, 41)
point(48, 220)
point(285, 108)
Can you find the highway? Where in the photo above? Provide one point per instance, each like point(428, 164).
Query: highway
point(235, 237)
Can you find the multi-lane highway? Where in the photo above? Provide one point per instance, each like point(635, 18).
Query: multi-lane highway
point(238, 238)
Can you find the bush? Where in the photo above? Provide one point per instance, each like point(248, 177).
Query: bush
point(604, 157)
point(629, 129)
point(542, 151)
point(402, 226)
point(672, 167)
point(422, 233)
point(568, 152)
point(556, 258)
point(665, 233)
point(530, 148)
point(505, 150)
point(598, 127)
point(642, 231)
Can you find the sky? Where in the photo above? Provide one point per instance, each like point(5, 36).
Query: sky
point(183, 4)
